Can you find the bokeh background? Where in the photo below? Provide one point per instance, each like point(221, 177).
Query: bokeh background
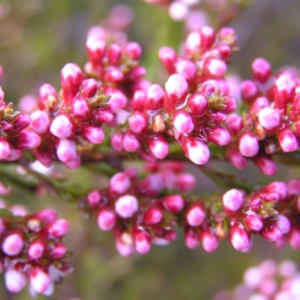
point(37, 37)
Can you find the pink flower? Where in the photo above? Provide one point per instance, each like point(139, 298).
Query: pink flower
point(126, 206)
point(13, 244)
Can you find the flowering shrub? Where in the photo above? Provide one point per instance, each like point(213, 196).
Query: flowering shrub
point(142, 136)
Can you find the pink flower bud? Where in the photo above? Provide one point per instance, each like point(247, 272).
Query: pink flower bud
point(228, 36)
point(138, 123)
point(62, 127)
point(185, 182)
point(36, 249)
point(176, 89)
point(106, 219)
point(225, 51)
point(46, 215)
point(294, 238)
point(96, 48)
point(39, 122)
point(261, 69)
point(293, 187)
point(117, 141)
point(173, 203)
point(287, 140)
point(130, 142)
point(258, 104)
point(142, 241)
point(59, 250)
point(117, 100)
point(178, 10)
point(138, 100)
point(152, 185)
point(119, 184)
point(28, 140)
point(193, 43)
point(39, 280)
point(124, 249)
point(234, 123)
point(4, 149)
point(14, 155)
point(248, 145)
point(159, 147)
point(58, 228)
point(136, 73)
point(230, 105)
point(233, 201)
point(271, 232)
point(114, 54)
point(15, 281)
point(102, 116)
point(132, 50)
point(66, 150)
point(197, 104)
point(269, 118)
point(19, 210)
point(153, 216)
point(74, 163)
point(94, 198)
point(93, 134)
point(266, 165)
point(220, 136)
point(44, 156)
point(240, 237)
point(155, 97)
point(195, 214)
point(216, 117)
point(46, 91)
point(80, 109)
point(214, 67)
point(286, 85)
point(126, 206)
point(253, 221)
point(89, 88)
point(283, 224)
point(13, 244)
point(191, 239)
point(249, 91)
point(71, 79)
point(278, 188)
point(209, 240)
point(113, 75)
point(186, 69)
point(21, 122)
point(196, 151)
point(183, 122)
point(168, 57)
point(207, 37)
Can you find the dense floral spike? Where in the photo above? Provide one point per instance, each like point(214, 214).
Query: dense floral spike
point(149, 204)
point(31, 247)
point(268, 280)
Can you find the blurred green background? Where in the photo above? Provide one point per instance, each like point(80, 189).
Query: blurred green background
point(37, 37)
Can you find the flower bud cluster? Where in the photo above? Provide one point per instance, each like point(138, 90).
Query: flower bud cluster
point(115, 66)
point(160, 116)
point(32, 250)
point(268, 280)
point(70, 118)
point(272, 212)
point(15, 137)
point(204, 58)
point(141, 212)
point(271, 124)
